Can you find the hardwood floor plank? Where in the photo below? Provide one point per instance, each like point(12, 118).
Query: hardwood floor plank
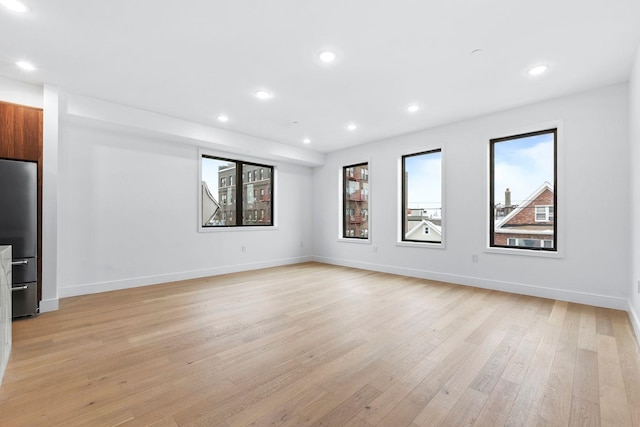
point(585, 379)
point(557, 314)
point(630, 364)
point(348, 409)
point(408, 408)
point(556, 405)
point(466, 410)
point(490, 373)
point(518, 365)
point(395, 393)
point(604, 325)
point(584, 413)
point(318, 344)
point(614, 408)
point(526, 407)
point(498, 406)
point(447, 397)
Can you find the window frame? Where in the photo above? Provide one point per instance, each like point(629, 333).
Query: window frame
point(556, 251)
point(365, 234)
point(238, 176)
point(403, 201)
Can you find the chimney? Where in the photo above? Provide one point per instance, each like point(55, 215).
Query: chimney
point(507, 201)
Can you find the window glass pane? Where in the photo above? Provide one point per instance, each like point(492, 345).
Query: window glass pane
point(256, 196)
point(422, 198)
point(217, 201)
point(356, 201)
point(225, 204)
point(523, 193)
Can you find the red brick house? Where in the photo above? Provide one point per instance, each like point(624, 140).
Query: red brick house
point(530, 225)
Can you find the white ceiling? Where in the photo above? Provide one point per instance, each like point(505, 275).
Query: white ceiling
point(200, 58)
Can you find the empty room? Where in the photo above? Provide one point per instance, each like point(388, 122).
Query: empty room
point(338, 213)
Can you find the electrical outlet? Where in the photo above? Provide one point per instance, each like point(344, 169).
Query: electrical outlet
point(244, 249)
point(375, 249)
point(474, 258)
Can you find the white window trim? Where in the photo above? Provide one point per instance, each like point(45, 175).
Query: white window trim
point(341, 210)
point(425, 245)
point(560, 228)
point(241, 158)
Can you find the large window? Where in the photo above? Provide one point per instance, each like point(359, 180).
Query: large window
point(355, 204)
point(523, 193)
point(227, 205)
point(422, 197)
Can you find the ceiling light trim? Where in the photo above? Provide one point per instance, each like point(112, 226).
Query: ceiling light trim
point(538, 70)
point(327, 56)
point(263, 94)
point(15, 6)
point(26, 65)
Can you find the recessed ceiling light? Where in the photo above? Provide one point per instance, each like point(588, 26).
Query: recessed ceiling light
point(15, 6)
point(413, 108)
point(476, 52)
point(263, 94)
point(223, 118)
point(538, 70)
point(26, 66)
point(327, 56)
point(306, 141)
point(352, 126)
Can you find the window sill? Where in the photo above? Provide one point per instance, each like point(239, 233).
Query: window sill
point(359, 241)
point(237, 228)
point(425, 245)
point(524, 252)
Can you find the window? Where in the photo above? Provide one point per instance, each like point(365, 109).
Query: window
point(522, 192)
point(529, 243)
point(422, 197)
point(219, 201)
point(355, 199)
point(544, 213)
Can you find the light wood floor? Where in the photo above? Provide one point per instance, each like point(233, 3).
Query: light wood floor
point(313, 344)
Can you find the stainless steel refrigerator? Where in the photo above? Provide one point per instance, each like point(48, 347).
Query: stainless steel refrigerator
point(19, 228)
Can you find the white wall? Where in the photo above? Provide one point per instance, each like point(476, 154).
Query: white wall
point(634, 308)
point(594, 192)
point(119, 188)
point(20, 93)
point(127, 212)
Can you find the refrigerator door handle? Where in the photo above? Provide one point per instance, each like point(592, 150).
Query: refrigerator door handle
point(21, 262)
point(19, 288)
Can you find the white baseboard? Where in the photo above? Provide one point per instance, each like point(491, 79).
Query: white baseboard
point(93, 288)
point(517, 288)
point(47, 305)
